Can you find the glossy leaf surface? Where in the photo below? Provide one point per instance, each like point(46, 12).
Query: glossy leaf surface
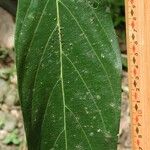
point(69, 66)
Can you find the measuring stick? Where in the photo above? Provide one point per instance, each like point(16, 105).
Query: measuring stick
point(138, 47)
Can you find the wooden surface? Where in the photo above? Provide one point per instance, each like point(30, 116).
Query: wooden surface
point(138, 41)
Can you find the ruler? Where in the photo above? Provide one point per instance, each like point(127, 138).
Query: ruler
point(138, 48)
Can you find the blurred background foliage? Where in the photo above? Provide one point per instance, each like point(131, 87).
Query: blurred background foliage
point(118, 13)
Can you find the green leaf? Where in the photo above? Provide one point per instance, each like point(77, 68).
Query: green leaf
point(69, 67)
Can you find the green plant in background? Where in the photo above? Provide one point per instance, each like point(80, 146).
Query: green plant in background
point(69, 68)
point(118, 14)
point(117, 8)
point(2, 122)
point(12, 138)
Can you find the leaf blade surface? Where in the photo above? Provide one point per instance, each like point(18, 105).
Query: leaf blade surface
point(69, 74)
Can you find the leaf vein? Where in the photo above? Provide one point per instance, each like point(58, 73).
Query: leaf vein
point(24, 17)
point(86, 86)
point(80, 127)
point(90, 46)
point(38, 67)
point(61, 70)
point(110, 45)
point(32, 39)
point(49, 100)
point(58, 137)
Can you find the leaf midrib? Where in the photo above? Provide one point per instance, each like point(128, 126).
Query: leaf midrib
point(61, 70)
